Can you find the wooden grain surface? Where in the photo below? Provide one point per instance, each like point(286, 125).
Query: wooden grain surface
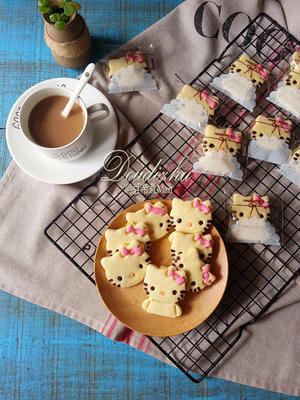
point(44, 355)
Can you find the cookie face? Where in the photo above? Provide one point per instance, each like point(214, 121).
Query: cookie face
point(248, 68)
point(189, 251)
point(137, 59)
point(293, 78)
point(191, 263)
point(155, 216)
point(164, 284)
point(271, 127)
point(254, 206)
point(184, 242)
point(296, 154)
point(191, 216)
point(114, 237)
point(208, 102)
point(221, 139)
point(127, 267)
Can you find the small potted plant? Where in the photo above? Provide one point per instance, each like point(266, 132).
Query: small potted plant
point(66, 33)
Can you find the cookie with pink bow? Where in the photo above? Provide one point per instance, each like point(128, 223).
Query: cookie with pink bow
point(130, 73)
point(240, 84)
point(192, 107)
point(114, 237)
point(218, 152)
point(249, 222)
point(191, 216)
point(155, 215)
point(201, 245)
point(165, 287)
point(127, 267)
point(270, 138)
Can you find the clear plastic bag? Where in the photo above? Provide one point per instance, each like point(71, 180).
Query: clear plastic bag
point(132, 70)
point(218, 153)
point(270, 138)
point(291, 168)
point(287, 94)
point(192, 107)
point(249, 220)
point(241, 82)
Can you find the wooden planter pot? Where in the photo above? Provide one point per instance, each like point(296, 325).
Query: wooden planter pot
point(70, 47)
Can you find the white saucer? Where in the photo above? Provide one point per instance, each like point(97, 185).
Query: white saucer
point(45, 169)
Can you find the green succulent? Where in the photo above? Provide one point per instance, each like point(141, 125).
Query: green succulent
point(59, 17)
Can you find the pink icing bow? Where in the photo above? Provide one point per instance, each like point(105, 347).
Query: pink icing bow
point(260, 201)
point(280, 122)
point(211, 102)
point(134, 57)
point(236, 138)
point(206, 273)
point(202, 207)
point(178, 278)
point(131, 252)
point(137, 231)
point(206, 243)
point(155, 210)
point(261, 71)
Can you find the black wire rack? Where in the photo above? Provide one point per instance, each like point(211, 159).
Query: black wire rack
point(258, 273)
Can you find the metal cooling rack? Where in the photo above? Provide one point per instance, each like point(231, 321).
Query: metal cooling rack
point(258, 273)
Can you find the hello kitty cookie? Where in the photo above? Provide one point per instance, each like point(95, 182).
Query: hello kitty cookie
point(165, 286)
point(130, 73)
point(240, 84)
point(191, 216)
point(192, 107)
point(180, 242)
point(249, 222)
point(270, 138)
point(155, 216)
point(130, 232)
point(190, 251)
point(291, 168)
point(220, 147)
point(287, 94)
point(127, 267)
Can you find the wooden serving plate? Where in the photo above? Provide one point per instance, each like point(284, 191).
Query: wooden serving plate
point(126, 304)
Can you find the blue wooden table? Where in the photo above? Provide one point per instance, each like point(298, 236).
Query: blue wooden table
point(44, 355)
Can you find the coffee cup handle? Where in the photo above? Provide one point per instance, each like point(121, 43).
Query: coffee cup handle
point(98, 112)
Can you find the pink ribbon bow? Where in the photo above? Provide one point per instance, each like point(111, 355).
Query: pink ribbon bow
point(236, 138)
point(202, 207)
point(131, 252)
point(211, 102)
point(137, 231)
point(280, 122)
point(206, 243)
point(206, 273)
point(261, 71)
point(260, 201)
point(134, 57)
point(178, 278)
point(155, 210)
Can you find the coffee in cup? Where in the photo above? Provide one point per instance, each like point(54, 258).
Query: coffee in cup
point(49, 128)
point(49, 132)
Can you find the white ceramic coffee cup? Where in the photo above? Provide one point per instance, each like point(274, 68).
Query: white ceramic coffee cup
point(81, 144)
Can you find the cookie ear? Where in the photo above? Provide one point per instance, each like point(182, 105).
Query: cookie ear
point(107, 233)
point(130, 217)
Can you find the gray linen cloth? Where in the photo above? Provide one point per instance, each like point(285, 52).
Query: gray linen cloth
point(31, 268)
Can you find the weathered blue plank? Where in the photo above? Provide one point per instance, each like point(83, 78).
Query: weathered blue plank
point(44, 355)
